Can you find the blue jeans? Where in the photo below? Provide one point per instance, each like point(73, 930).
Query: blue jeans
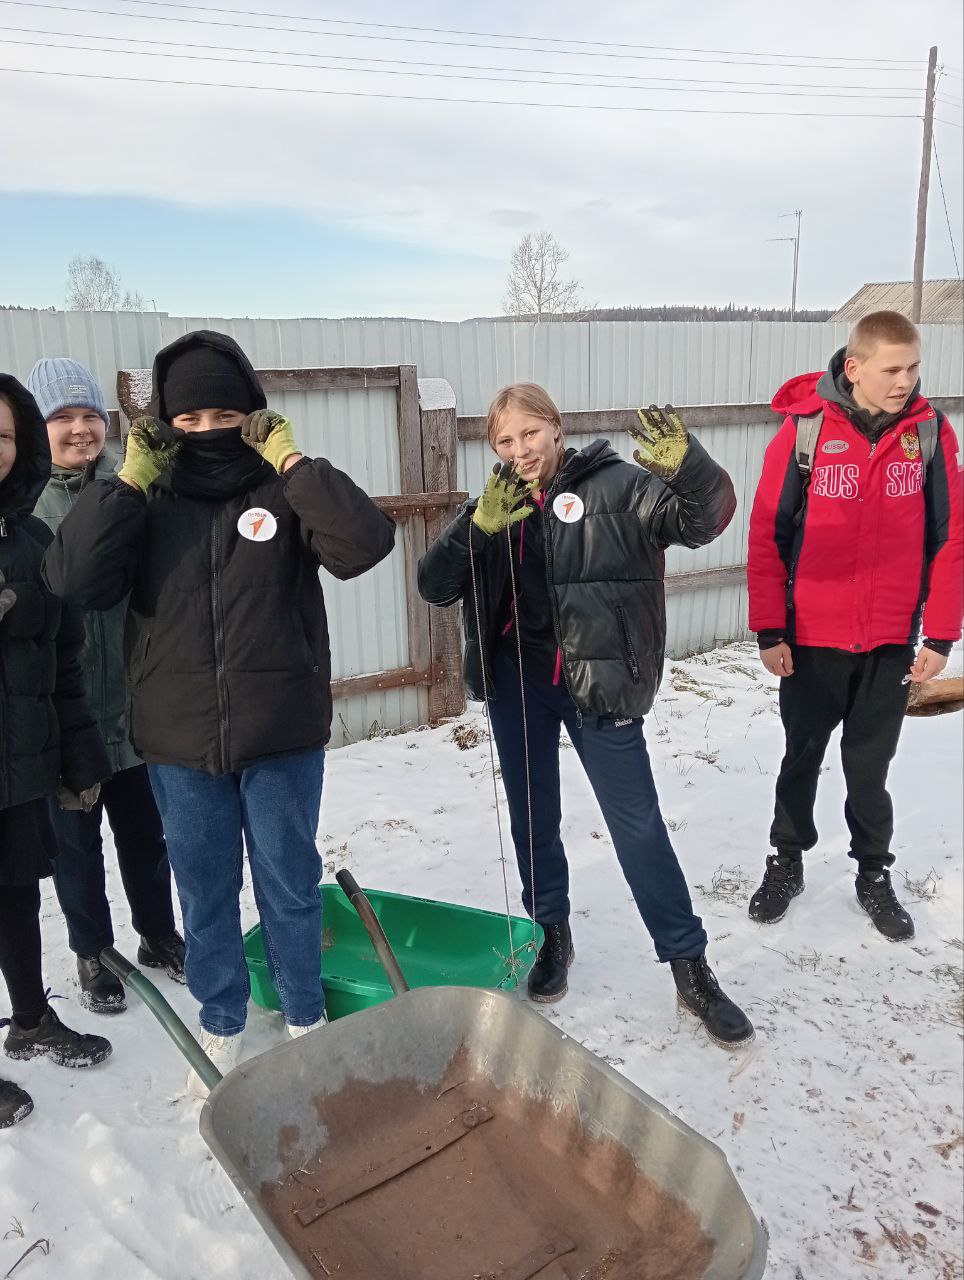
point(274, 805)
point(616, 762)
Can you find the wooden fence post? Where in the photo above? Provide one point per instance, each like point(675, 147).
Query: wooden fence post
point(446, 695)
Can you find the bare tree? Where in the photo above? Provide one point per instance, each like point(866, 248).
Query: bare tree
point(94, 286)
point(534, 288)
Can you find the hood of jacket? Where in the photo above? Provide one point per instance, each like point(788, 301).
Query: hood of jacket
point(31, 470)
point(190, 341)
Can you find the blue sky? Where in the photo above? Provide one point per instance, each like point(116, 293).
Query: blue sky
point(330, 201)
point(226, 261)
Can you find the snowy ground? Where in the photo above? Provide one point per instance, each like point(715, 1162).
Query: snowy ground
point(843, 1122)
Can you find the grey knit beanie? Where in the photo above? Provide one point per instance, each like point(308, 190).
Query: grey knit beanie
point(58, 382)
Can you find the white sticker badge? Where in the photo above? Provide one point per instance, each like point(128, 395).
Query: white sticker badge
point(257, 525)
point(568, 507)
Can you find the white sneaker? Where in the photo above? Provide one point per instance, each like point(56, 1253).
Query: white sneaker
point(295, 1032)
point(223, 1051)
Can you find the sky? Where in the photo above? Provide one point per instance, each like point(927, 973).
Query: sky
point(312, 195)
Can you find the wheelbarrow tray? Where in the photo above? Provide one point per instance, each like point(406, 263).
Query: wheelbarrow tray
point(454, 1134)
point(437, 944)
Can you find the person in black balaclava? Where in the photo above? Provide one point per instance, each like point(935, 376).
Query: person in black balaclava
point(217, 524)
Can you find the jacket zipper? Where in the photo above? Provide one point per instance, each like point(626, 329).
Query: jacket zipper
point(217, 621)
point(628, 644)
point(556, 624)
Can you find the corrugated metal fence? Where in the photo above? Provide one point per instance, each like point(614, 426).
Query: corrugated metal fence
point(584, 366)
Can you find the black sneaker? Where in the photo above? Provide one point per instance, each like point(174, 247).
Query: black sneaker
point(100, 991)
point(14, 1104)
point(782, 881)
point(51, 1038)
point(165, 953)
point(698, 992)
point(548, 977)
point(876, 895)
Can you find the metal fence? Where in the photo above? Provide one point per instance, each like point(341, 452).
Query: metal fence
point(589, 366)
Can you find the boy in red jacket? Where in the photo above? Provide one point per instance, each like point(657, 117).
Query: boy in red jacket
point(855, 541)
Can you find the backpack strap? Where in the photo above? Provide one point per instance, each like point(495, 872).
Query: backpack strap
point(808, 432)
point(927, 432)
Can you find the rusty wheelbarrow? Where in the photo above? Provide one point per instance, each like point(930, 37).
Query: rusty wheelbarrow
point(454, 1133)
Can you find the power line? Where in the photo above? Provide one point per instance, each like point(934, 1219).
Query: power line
point(872, 90)
point(636, 57)
point(822, 93)
point(491, 102)
point(502, 35)
point(947, 215)
point(955, 124)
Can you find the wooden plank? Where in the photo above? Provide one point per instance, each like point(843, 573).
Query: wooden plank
point(336, 378)
point(413, 532)
point(378, 681)
point(600, 422)
point(401, 506)
point(439, 460)
point(730, 575)
point(536, 1262)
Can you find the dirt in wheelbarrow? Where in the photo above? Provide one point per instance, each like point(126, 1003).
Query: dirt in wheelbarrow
point(466, 1181)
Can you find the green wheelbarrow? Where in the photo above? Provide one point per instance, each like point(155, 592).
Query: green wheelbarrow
point(453, 1133)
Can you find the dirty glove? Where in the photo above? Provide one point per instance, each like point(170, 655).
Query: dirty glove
point(503, 500)
point(148, 454)
point(662, 440)
point(85, 801)
point(271, 435)
point(8, 598)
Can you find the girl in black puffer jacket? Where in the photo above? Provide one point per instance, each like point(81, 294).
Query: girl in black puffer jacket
point(48, 744)
point(559, 569)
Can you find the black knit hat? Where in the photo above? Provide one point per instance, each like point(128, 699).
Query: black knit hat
point(204, 377)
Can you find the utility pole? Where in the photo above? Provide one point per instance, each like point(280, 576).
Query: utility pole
point(925, 178)
point(798, 214)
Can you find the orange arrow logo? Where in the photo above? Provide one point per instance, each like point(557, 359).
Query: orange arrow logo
point(569, 505)
point(256, 526)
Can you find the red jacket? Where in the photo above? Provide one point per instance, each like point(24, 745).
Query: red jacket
point(875, 552)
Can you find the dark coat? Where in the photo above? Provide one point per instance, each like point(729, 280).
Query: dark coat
point(229, 658)
point(47, 732)
point(103, 659)
point(604, 573)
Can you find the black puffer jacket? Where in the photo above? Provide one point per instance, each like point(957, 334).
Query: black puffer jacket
point(47, 732)
point(604, 571)
point(229, 658)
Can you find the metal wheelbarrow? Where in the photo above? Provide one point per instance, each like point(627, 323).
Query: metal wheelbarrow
point(453, 1133)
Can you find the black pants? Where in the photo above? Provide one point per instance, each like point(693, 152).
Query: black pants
point(20, 951)
point(864, 692)
point(141, 856)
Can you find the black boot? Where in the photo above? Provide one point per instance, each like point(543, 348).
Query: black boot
point(876, 895)
point(166, 953)
point(782, 881)
point(548, 979)
point(699, 992)
point(52, 1039)
point(14, 1104)
point(100, 991)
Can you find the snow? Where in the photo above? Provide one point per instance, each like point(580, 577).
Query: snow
point(843, 1121)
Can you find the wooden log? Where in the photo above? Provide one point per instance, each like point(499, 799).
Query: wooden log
point(935, 696)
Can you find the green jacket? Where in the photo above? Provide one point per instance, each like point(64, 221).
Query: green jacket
point(103, 659)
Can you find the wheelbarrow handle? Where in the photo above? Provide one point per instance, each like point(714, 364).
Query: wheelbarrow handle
point(132, 977)
point(376, 933)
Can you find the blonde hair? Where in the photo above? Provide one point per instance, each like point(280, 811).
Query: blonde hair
point(877, 327)
point(531, 399)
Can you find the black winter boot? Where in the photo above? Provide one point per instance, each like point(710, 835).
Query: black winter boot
point(699, 993)
point(876, 895)
point(782, 881)
point(14, 1104)
point(165, 953)
point(548, 980)
point(100, 991)
point(51, 1038)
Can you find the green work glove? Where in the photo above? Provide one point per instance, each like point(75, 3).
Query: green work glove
point(147, 454)
point(503, 500)
point(271, 435)
point(8, 598)
point(662, 440)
